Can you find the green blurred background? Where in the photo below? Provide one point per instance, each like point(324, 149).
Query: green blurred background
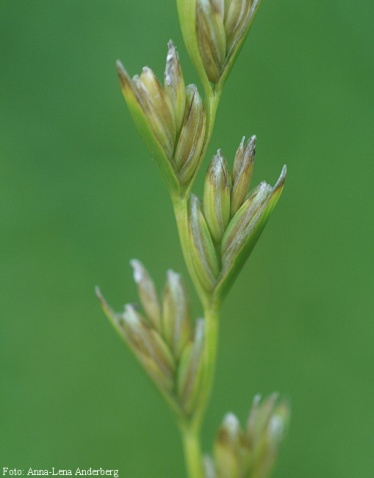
point(79, 197)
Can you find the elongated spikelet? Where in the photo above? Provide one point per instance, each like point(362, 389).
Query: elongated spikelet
point(187, 155)
point(171, 120)
point(176, 316)
point(242, 172)
point(224, 232)
point(203, 252)
point(190, 369)
point(213, 31)
point(170, 350)
point(147, 293)
point(211, 39)
point(251, 451)
point(174, 85)
point(217, 191)
point(228, 448)
point(157, 108)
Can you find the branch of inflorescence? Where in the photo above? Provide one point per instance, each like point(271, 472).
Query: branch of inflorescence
point(190, 431)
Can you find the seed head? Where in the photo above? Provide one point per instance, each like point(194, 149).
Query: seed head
point(171, 120)
point(214, 31)
point(245, 228)
point(238, 18)
point(176, 317)
point(228, 448)
point(266, 427)
point(190, 369)
point(203, 252)
point(217, 190)
point(191, 139)
point(242, 173)
point(149, 347)
point(174, 85)
point(211, 38)
point(147, 293)
point(253, 451)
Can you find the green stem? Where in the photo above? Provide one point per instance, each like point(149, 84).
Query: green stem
point(192, 452)
point(210, 306)
point(210, 351)
point(190, 431)
point(180, 203)
point(211, 105)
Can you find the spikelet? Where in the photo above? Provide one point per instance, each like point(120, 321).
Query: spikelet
point(170, 119)
point(251, 451)
point(214, 31)
point(224, 231)
point(165, 341)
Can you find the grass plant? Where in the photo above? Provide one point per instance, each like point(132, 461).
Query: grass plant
point(217, 233)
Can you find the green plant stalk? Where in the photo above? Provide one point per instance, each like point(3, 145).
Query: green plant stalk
point(211, 315)
point(211, 104)
point(190, 431)
point(163, 134)
point(192, 451)
point(180, 202)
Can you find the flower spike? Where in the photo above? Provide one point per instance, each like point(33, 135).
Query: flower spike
point(214, 32)
point(171, 120)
